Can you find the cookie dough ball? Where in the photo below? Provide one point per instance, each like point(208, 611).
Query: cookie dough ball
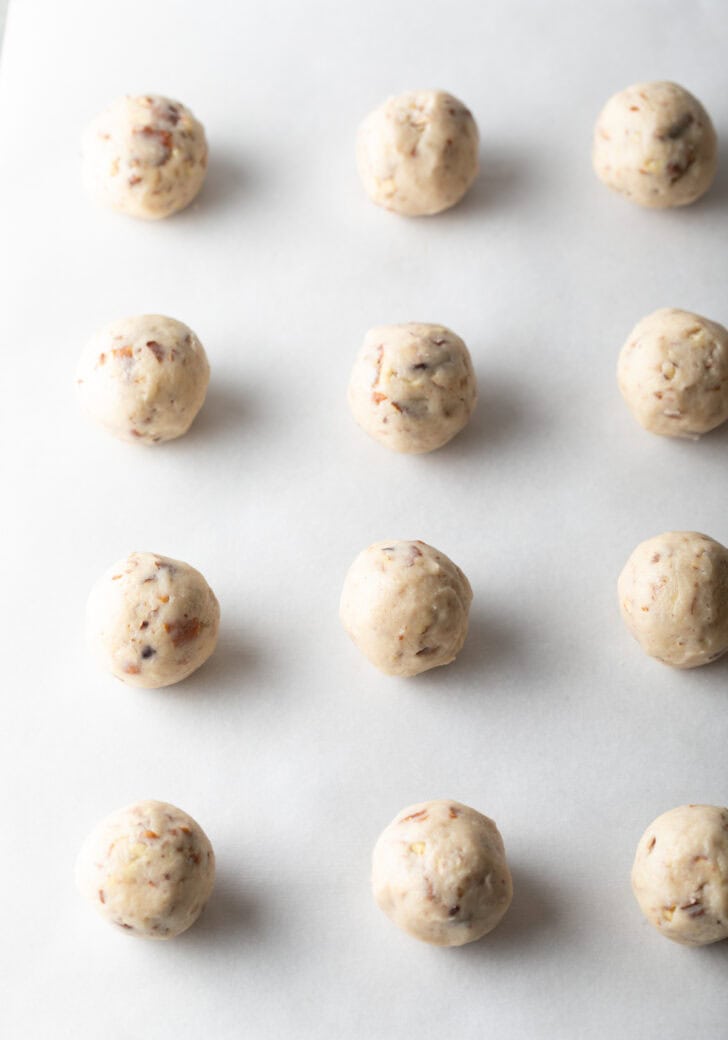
point(144, 378)
point(439, 872)
point(673, 373)
point(418, 152)
point(148, 869)
point(655, 143)
point(680, 874)
point(413, 386)
point(673, 594)
point(145, 156)
point(152, 621)
point(405, 605)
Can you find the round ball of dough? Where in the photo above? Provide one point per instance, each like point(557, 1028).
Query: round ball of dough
point(413, 386)
point(152, 621)
point(439, 872)
point(145, 156)
point(144, 378)
point(673, 373)
point(148, 868)
point(655, 143)
point(405, 605)
point(680, 874)
point(673, 594)
point(418, 152)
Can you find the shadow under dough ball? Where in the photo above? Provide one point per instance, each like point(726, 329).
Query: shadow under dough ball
point(680, 874)
point(144, 379)
point(655, 144)
point(412, 387)
point(149, 869)
point(439, 872)
point(405, 606)
point(152, 621)
point(673, 373)
point(673, 595)
point(145, 156)
point(417, 154)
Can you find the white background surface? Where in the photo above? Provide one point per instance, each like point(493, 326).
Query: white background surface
point(3, 15)
point(287, 746)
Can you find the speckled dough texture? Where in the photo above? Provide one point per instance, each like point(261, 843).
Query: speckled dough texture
point(412, 387)
point(152, 621)
point(145, 156)
point(144, 378)
point(417, 153)
point(149, 869)
point(655, 144)
point(680, 874)
point(673, 595)
point(673, 373)
point(405, 605)
point(439, 872)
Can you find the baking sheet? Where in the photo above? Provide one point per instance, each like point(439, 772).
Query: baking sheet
point(291, 751)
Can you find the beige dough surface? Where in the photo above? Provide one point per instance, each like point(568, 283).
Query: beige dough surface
point(148, 869)
point(673, 595)
point(152, 621)
point(655, 144)
point(439, 871)
point(673, 373)
point(680, 874)
point(145, 156)
point(405, 606)
point(412, 387)
point(417, 153)
point(144, 378)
